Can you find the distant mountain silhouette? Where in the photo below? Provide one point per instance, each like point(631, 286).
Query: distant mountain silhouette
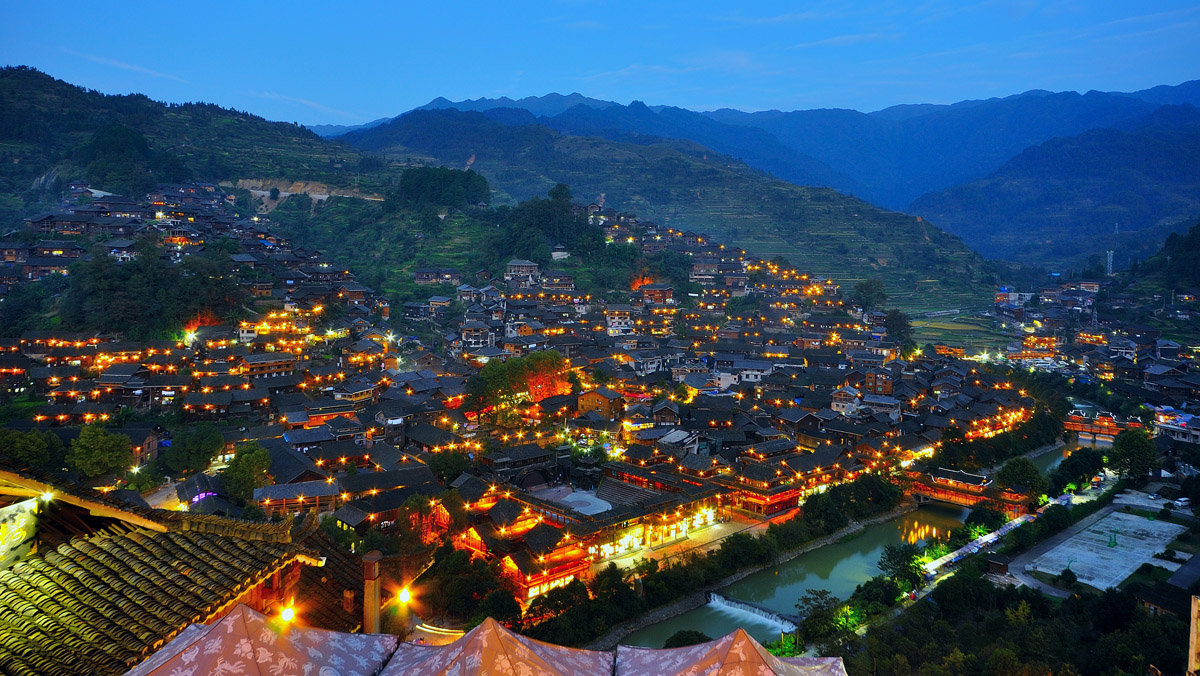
point(331, 130)
point(678, 182)
point(889, 157)
point(1071, 198)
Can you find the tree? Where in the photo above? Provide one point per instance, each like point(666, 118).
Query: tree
point(1067, 578)
point(820, 610)
point(900, 562)
point(899, 329)
point(988, 518)
point(1133, 454)
point(447, 465)
point(253, 512)
point(686, 637)
point(247, 471)
point(30, 449)
point(869, 294)
point(97, 451)
point(560, 192)
point(274, 194)
point(1021, 475)
point(500, 606)
point(191, 450)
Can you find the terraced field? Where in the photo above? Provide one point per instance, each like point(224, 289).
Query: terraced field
point(969, 330)
point(686, 186)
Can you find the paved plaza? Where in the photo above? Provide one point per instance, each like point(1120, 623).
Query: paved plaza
point(584, 502)
point(1097, 564)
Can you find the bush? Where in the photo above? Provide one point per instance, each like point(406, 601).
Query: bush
point(1067, 578)
point(686, 637)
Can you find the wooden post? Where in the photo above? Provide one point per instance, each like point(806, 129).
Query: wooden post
point(371, 591)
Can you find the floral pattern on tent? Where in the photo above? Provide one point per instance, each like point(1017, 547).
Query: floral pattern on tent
point(735, 654)
point(248, 643)
point(492, 650)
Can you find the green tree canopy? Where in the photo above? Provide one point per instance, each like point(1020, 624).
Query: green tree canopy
point(1020, 474)
point(900, 562)
point(247, 471)
point(499, 605)
point(686, 637)
point(869, 294)
point(822, 612)
point(30, 448)
point(192, 449)
point(899, 329)
point(97, 451)
point(1133, 454)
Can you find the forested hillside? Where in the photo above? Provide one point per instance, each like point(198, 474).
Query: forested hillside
point(684, 185)
point(1069, 199)
point(52, 132)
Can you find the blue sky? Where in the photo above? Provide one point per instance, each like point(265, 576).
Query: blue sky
point(345, 63)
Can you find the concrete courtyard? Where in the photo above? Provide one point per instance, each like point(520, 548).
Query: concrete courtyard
point(1096, 564)
point(584, 502)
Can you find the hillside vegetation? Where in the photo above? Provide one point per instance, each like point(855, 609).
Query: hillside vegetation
point(680, 184)
point(1068, 199)
point(52, 131)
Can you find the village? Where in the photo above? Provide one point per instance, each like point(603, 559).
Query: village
point(546, 429)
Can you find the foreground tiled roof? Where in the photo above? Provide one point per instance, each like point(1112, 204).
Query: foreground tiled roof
point(100, 605)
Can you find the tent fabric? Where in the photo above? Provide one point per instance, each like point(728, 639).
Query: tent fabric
point(735, 654)
point(246, 643)
point(492, 650)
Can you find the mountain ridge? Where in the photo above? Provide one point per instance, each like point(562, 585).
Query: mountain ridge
point(1124, 188)
point(680, 183)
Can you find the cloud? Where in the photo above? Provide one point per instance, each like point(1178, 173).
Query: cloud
point(122, 65)
point(851, 39)
point(586, 25)
point(311, 104)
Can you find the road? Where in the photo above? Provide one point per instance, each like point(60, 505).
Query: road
point(165, 497)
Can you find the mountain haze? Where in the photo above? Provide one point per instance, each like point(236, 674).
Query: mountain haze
point(903, 157)
point(1060, 202)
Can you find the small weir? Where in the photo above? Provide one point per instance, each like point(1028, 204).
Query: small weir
point(785, 621)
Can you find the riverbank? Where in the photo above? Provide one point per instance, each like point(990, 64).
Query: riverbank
point(1035, 453)
point(700, 597)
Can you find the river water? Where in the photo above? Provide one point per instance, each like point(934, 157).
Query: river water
point(838, 567)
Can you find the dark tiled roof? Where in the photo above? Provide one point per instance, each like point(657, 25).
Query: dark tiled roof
point(505, 512)
point(543, 538)
point(101, 605)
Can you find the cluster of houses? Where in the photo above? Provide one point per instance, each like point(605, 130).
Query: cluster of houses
point(1068, 334)
point(683, 417)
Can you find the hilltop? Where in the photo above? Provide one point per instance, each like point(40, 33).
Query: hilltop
point(1068, 199)
point(45, 123)
point(965, 162)
point(55, 132)
point(682, 184)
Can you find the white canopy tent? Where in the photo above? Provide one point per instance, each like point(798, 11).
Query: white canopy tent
point(247, 643)
point(735, 654)
point(492, 650)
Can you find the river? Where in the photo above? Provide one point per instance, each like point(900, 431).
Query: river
point(838, 567)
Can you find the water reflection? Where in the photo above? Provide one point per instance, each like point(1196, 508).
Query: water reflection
point(838, 567)
point(917, 533)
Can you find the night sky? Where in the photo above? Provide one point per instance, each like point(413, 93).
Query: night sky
point(345, 63)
